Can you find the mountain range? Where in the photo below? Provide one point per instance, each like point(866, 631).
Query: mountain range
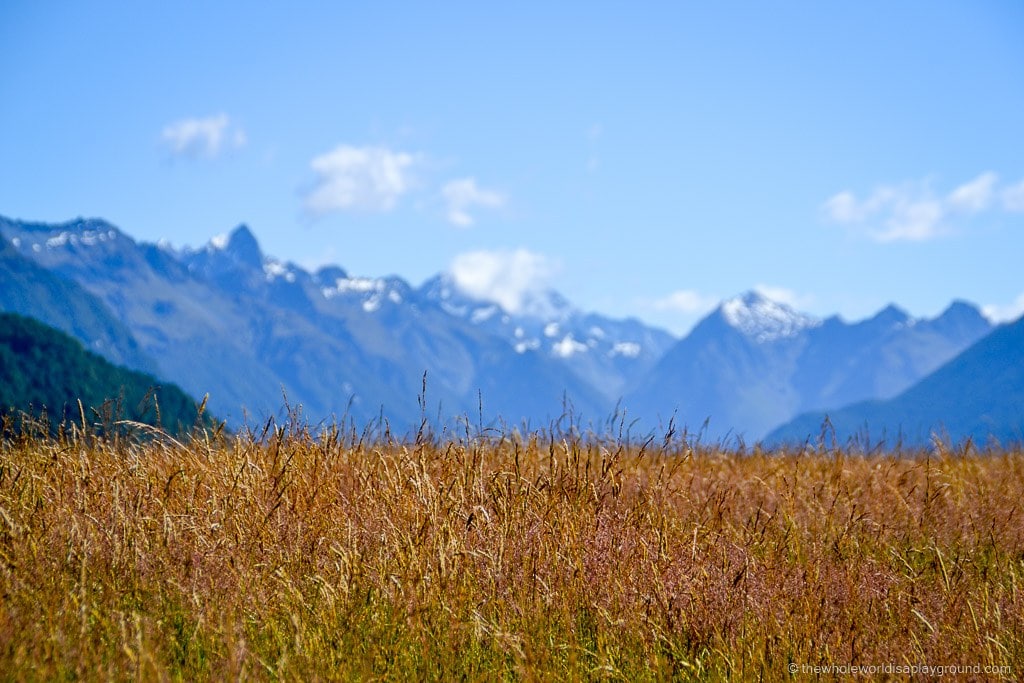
point(254, 332)
point(753, 363)
point(978, 395)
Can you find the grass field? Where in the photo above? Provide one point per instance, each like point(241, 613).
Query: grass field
point(294, 555)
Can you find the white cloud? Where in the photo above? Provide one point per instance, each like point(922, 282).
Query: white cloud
point(912, 212)
point(463, 194)
point(1013, 198)
point(912, 220)
point(194, 138)
point(508, 278)
point(975, 195)
point(1003, 313)
point(368, 178)
point(889, 214)
point(844, 208)
point(685, 301)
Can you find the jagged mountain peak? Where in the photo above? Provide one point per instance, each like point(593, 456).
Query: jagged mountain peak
point(440, 287)
point(961, 318)
point(764, 319)
point(240, 246)
point(961, 309)
point(545, 304)
point(609, 354)
point(892, 315)
point(79, 224)
point(330, 274)
point(73, 234)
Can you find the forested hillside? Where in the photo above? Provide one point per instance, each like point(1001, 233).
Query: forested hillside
point(43, 369)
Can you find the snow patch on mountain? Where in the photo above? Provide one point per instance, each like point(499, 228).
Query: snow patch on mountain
point(627, 349)
point(358, 285)
point(568, 347)
point(275, 269)
point(372, 293)
point(607, 353)
point(524, 346)
point(482, 314)
point(764, 320)
point(87, 238)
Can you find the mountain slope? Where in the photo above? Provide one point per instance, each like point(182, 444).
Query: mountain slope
point(32, 290)
point(733, 370)
point(391, 336)
point(248, 329)
point(251, 330)
point(43, 368)
point(753, 364)
point(979, 394)
point(198, 338)
point(881, 356)
point(608, 354)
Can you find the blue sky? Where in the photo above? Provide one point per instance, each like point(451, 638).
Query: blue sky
point(644, 159)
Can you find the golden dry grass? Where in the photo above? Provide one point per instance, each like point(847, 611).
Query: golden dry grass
point(300, 556)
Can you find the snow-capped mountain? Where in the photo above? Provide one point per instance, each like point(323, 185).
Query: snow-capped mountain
point(754, 363)
point(199, 338)
point(608, 354)
point(227, 319)
point(250, 330)
point(235, 262)
point(764, 320)
point(730, 375)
